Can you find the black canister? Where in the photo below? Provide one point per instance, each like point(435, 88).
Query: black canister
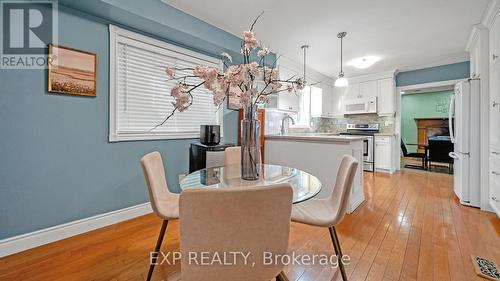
point(210, 134)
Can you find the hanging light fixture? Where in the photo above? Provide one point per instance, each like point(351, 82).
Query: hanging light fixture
point(341, 80)
point(304, 49)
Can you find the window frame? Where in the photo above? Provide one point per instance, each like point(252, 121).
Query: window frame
point(114, 34)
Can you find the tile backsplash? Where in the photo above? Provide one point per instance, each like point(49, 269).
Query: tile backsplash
point(338, 125)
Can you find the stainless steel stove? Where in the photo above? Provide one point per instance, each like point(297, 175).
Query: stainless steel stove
point(368, 130)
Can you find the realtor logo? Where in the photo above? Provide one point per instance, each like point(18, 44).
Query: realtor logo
point(27, 29)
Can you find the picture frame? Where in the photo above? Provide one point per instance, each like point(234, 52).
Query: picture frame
point(72, 71)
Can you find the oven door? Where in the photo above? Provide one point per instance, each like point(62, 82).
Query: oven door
point(368, 149)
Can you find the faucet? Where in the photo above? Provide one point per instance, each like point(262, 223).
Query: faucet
point(283, 129)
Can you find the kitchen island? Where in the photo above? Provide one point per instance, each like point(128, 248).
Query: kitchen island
point(320, 155)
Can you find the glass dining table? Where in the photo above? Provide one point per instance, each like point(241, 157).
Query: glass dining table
point(305, 186)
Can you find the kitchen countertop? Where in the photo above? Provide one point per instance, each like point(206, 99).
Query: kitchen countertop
point(316, 137)
point(385, 134)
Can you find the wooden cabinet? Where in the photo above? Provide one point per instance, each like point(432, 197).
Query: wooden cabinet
point(386, 96)
point(384, 151)
point(428, 127)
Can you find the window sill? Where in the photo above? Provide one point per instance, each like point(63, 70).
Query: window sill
point(145, 137)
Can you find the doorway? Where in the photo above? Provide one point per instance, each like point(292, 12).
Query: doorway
point(422, 121)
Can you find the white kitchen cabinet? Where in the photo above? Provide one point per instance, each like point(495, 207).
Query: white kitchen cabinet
point(474, 59)
point(494, 192)
point(286, 100)
point(494, 39)
point(322, 97)
point(327, 104)
point(320, 156)
point(495, 105)
point(368, 89)
point(351, 91)
point(384, 151)
point(317, 102)
point(386, 97)
point(338, 97)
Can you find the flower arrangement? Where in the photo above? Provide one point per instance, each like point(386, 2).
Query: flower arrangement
point(238, 80)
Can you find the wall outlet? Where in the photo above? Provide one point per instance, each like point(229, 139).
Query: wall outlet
point(389, 123)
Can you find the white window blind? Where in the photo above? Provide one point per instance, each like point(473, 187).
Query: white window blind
point(140, 91)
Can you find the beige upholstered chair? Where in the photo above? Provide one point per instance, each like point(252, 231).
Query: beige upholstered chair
point(247, 220)
point(232, 156)
point(330, 211)
point(164, 203)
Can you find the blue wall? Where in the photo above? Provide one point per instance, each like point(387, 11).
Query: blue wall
point(56, 163)
point(433, 74)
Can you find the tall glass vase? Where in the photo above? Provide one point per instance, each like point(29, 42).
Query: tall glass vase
point(250, 144)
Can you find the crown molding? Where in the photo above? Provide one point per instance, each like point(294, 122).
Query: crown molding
point(490, 13)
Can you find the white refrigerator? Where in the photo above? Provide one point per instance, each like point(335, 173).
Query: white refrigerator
point(464, 124)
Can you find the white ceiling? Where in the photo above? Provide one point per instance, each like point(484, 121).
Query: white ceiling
point(404, 33)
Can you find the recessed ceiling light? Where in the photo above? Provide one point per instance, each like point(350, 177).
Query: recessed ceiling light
point(364, 62)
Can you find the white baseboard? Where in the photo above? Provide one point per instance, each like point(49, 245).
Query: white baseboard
point(37, 238)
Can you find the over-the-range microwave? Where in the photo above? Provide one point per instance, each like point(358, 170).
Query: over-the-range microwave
point(360, 106)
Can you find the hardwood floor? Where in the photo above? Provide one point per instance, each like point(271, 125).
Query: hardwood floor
point(411, 227)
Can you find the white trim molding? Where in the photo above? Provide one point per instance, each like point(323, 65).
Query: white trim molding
point(41, 237)
point(490, 13)
point(429, 85)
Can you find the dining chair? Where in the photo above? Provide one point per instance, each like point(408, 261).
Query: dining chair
point(439, 151)
point(406, 154)
point(232, 156)
point(330, 211)
point(164, 203)
point(252, 221)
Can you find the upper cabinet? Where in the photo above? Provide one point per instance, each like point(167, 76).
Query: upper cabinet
point(368, 89)
point(322, 100)
point(474, 59)
point(384, 89)
point(286, 100)
point(494, 38)
point(352, 91)
point(386, 96)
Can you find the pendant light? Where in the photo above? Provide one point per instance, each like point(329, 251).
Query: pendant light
point(341, 80)
point(304, 49)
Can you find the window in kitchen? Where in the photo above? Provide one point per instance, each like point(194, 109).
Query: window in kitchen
point(316, 101)
point(304, 114)
point(140, 91)
point(310, 104)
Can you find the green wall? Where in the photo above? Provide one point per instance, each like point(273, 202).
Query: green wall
point(424, 105)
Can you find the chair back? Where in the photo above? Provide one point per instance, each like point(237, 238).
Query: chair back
point(232, 156)
point(439, 149)
point(159, 195)
point(403, 148)
point(343, 185)
point(234, 220)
